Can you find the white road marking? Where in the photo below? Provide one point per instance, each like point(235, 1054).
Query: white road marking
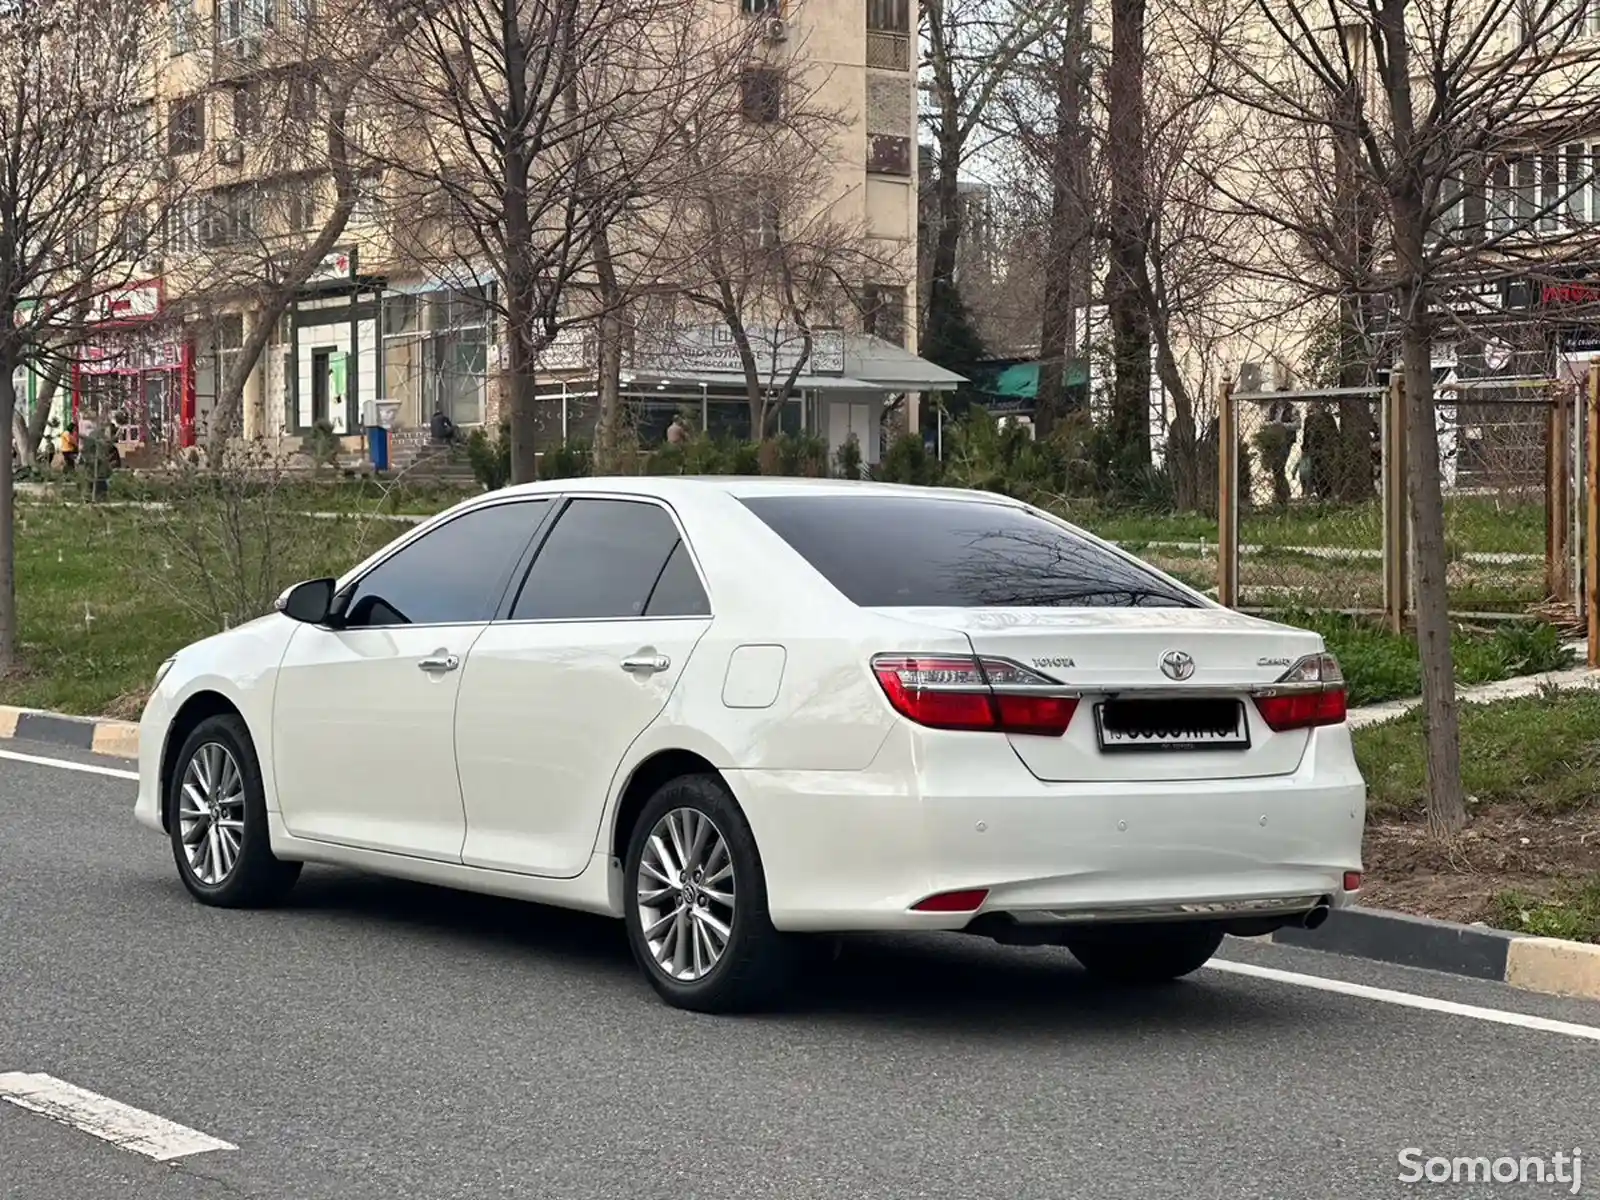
point(69, 765)
point(1409, 1000)
point(110, 1120)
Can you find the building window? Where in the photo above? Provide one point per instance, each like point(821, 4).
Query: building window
point(232, 215)
point(888, 155)
point(184, 223)
point(182, 22)
point(133, 235)
point(369, 205)
point(186, 126)
point(761, 94)
point(883, 312)
point(238, 19)
point(889, 16)
point(248, 115)
point(302, 100)
point(302, 205)
point(765, 8)
point(436, 354)
point(758, 217)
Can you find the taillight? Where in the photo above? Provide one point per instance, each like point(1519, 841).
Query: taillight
point(992, 695)
point(1309, 694)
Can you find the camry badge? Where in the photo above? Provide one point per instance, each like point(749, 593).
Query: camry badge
point(1175, 664)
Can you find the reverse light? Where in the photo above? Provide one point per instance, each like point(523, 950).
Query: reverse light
point(966, 900)
point(991, 695)
point(1309, 694)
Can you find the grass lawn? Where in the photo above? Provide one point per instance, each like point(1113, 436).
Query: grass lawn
point(1530, 859)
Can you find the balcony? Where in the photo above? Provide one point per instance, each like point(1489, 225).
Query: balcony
point(888, 51)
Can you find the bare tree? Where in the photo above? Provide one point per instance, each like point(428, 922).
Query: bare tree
point(290, 156)
point(544, 127)
point(970, 49)
point(760, 244)
point(1454, 117)
point(75, 196)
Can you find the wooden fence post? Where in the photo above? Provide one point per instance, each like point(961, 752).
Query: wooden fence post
point(1227, 496)
point(1396, 509)
point(1558, 498)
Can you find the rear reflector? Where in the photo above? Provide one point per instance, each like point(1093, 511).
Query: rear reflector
point(969, 900)
point(992, 695)
point(1308, 694)
point(1352, 881)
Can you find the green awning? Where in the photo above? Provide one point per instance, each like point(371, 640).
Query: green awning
point(1021, 381)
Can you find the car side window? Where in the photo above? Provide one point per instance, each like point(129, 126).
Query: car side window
point(602, 560)
point(678, 592)
point(452, 575)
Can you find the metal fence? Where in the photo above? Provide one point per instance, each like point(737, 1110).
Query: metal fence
point(1314, 515)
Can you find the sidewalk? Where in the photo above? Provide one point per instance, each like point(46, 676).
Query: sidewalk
point(1482, 693)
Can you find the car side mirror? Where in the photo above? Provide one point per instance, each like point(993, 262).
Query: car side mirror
point(310, 602)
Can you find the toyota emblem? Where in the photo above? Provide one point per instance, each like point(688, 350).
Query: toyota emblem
point(1175, 664)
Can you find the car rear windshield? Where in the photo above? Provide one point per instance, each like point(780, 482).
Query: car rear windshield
point(889, 551)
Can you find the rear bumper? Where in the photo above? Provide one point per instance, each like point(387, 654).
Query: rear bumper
point(946, 812)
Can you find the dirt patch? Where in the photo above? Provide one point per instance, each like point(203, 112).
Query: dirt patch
point(127, 707)
point(1505, 849)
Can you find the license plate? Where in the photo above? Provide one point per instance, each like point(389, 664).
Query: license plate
point(1179, 724)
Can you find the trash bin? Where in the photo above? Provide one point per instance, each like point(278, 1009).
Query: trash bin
point(378, 447)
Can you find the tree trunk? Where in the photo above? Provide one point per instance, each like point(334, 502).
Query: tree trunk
point(9, 632)
point(1130, 322)
point(1447, 809)
point(1069, 218)
point(522, 396)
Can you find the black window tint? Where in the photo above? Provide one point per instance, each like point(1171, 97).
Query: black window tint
point(453, 575)
point(602, 559)
point(908, 551)
point(678, 592)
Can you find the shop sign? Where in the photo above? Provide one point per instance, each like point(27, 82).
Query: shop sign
point(710, 349)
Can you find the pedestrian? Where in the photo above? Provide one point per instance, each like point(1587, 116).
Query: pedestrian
point(677, 432)
point(69, 448)
point(441, 427)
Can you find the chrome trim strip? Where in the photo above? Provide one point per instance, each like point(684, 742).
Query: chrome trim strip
point(1261, 906)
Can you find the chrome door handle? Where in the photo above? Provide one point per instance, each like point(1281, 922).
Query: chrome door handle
point(645, 664)
point(447, 662)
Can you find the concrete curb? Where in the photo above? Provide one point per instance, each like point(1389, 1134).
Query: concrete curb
point(1551, 966)
point(1572, 678)
point(117, 739)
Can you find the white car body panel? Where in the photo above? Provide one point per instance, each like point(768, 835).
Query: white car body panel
point(857, 812)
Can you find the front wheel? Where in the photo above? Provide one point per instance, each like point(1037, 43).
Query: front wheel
point(217, 820)
point(1144, 955)
point(696, 902)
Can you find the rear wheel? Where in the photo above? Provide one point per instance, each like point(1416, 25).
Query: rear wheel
point(1144, 955)
point(217, 820)
point(696, 902)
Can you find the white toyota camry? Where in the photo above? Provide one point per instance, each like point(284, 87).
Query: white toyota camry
point(735, 713)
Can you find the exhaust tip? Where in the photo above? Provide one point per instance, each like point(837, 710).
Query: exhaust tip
point(1315, 918)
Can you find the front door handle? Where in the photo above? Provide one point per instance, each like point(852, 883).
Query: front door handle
point(645, 664)
point(442, 662)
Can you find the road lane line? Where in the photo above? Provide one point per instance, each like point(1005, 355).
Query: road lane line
point(1408, 999)
point(110, 1120)
point(69, 765)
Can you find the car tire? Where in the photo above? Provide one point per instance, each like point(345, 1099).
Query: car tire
point(756, 963)
point(235, 866)
point(1146, 956)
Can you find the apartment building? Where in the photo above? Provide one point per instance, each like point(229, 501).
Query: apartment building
point(372, 326)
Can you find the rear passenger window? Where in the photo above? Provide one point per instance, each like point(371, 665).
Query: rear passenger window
point(678, 592)
point(602, 560)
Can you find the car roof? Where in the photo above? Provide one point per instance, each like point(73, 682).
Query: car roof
point(665, 487)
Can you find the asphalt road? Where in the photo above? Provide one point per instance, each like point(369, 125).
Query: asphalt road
point(381, 1040)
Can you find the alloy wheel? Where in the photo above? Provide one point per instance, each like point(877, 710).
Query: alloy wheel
point(211, 813)
point(686, 896)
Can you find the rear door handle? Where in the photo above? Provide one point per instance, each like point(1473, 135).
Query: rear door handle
point(645, 664)
point(443, 662)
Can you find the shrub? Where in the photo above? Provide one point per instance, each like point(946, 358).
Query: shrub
point(490, 458)
point(567, 460)
point(847, 459)
point(907, 461)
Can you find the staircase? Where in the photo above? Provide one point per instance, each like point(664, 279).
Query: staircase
point(416, 458)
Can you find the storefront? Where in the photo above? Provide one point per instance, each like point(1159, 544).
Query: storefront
point(336, 347)
point(137, 374)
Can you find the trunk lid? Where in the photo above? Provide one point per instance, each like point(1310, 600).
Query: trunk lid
point(1107, 651)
